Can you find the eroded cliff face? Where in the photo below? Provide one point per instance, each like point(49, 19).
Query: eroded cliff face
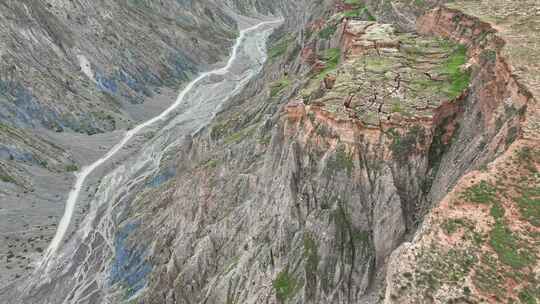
point(480, 244)
point(310, 185)
point(300, 193)
point(375, 127)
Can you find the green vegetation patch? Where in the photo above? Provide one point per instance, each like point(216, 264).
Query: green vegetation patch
point(265, 139)
point(278, 86)
point(451, 78)
point(527, 157)
point(359, 10)
point(403, 146)
point(238, 136)
point(497, 211)
point(397, 107)
point(224, 127)
point(489, 56)
point(328, 31)
point(529, 205)
point(482, 193)
point(509, 248)
point(220, 129)
point(438, 267)
point(6, 178)
point(279, 48)
point(529, 296)
point(487, 276)
point(72, 168)
point(439, 147)
point(331, 59)
point(513, 254)
point(285, 285)
point(342, 161)
point(452, 225)
point(458, 78)
point(379, 64)
point(311, 254)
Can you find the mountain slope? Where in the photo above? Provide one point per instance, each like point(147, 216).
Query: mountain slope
point(74, 75)
point(385, 153)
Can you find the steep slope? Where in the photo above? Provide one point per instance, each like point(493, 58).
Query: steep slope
point(359, 135)
point(480, 244)
point(386, 152)
point(290, 195)
point(73, 66)
point(71, 69)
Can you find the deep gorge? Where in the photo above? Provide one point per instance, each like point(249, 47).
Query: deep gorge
point(346, 171)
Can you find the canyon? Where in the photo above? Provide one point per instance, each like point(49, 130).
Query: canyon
point(318, 152)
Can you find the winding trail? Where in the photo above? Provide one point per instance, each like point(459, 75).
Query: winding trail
point(87, 170)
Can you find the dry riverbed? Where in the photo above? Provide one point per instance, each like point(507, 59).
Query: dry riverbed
point(28, 218)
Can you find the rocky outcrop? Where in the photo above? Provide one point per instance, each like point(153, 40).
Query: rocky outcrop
point(320, 204)
point(402, 13)
point(291, 196)
point(474, 241)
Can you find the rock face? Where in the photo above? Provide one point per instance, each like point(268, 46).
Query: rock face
point(364, 164)
point(402, 13)
point(480, 244)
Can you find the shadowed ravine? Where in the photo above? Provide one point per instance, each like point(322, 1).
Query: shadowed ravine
point(77, 271)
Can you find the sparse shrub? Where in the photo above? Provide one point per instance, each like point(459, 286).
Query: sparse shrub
point(278, 86)
point(452, 225)
point(72, 168)
point(280, 47)
point(483, 193)
point(331, 58)
point(311, 254)
point(342, 161)
point(6, 178)
point(526, 296)
point(284, 285)
point(328, 31)
point(508, 247)
point(529, 205)
point(403, 146)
